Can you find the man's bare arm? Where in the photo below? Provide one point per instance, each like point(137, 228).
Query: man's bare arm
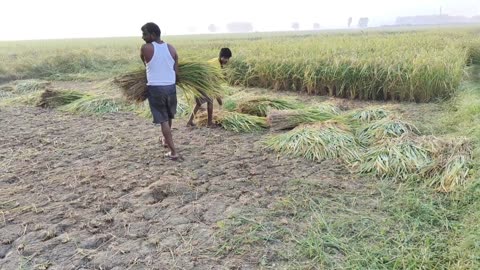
point(146, 53)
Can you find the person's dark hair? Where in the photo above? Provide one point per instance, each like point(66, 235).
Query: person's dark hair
point(152, 28)
point(225, 52)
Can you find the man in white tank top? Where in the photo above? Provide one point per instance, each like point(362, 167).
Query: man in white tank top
point(161, 62)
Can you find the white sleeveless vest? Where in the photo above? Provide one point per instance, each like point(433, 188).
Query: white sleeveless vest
point(160, 69)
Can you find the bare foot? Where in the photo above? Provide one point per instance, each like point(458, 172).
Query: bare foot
point(172, 157)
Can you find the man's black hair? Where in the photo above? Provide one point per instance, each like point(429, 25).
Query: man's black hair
point(151, 28)
point(225, 52)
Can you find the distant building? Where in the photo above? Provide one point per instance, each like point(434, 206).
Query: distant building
point(435, 20)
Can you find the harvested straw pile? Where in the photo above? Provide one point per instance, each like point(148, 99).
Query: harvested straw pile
point(398, 158)
point(28, 86)
point(288, 119)
point(370, 115)
point(385, 128)
point(97, 105)
point(452, 163)
point(443, 163)
point(30, 99)
point(133, 85)
point(196, 79)
point(54, 98)
point(317, 142)
point(260, 106)
point(237, 122)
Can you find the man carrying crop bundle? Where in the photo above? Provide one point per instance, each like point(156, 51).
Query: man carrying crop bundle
point(161, 62)
point(223, 59)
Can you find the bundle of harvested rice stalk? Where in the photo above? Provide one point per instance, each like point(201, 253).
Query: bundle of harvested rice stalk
point(327, 107)
point(97, 105)
point(54, 98)
point(444, 164)
point(133, 85)
point(230, 103)
point(452, 163)
point(28, 86)
point(237, 122)
point(195, 78)
point(30, 99)
point(260, 106)
point(385, 128)
point(455, 173)
point(369, 115)
point(288, 119)
point(400, 158)
point(6, 91)
point(317, 142)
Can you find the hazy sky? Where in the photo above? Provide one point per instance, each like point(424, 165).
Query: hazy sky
point(38, 19)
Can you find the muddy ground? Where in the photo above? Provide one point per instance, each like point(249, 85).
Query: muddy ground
point(87, 192)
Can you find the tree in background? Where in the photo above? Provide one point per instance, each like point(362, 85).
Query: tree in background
point(363, 22)
point(350, 19)
point(295, 26)
point(212, 28)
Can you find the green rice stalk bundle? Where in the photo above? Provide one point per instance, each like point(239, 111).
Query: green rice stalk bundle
point(260, 106)
point(30, 99)
point(195, 79)
point(452, 165)
point(7, 91)
point(230, 103)
point(97, 105)
point(54, 98)
point(444, 164)
point(370, 115)
point(399, 158)
point(327, 107)
point(288, 119)
point(23, 87)
point(317, 142)
point(28, 86)
point(385, 128)
point(455, 173)
point(133, 85)
point(233, 121)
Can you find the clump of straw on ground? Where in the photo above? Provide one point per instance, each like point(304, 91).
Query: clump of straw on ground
point(55, 98)
point(370, 115)
point(97, 105)
point(317, 142)
point(398, 158)
point(443, 163)
point(260, 106)
point(288, 119)
point(233, 121)
point(385, 128)
point(452, 163)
